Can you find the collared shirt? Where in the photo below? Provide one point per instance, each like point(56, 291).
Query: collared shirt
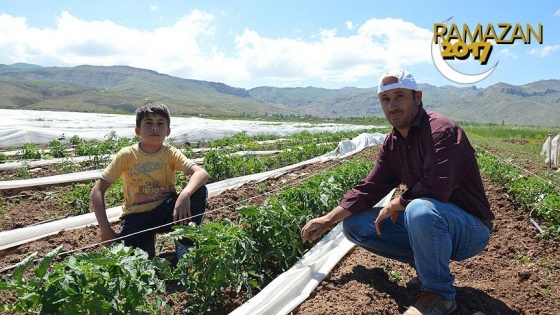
point(436, 160)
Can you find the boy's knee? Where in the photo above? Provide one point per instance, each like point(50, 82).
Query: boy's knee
point(198, 204)
point(201, 194)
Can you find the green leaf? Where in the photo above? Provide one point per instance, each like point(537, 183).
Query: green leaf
point(20, 269)
point(102, 291)
point(46, 262)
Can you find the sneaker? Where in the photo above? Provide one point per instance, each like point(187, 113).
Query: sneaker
point(180, 250)
point(414, 283)
point(431, 304)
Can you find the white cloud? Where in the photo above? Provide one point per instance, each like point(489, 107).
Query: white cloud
point(188, 49)
point(377, 45)
point(75, 42)
point(154, 8)
point(506, 53)
point(557, 12)
point(545, 52)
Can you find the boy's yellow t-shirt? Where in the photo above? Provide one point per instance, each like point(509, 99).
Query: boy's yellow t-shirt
point(148, 179)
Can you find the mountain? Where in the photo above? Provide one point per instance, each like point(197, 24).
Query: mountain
point(121, 89)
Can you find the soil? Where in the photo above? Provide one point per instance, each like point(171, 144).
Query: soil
point(517, 273)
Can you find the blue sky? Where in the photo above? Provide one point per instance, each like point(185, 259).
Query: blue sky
point(329, 44)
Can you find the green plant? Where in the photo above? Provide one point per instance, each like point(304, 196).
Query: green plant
point(223, 257)
point(31, 151)
point(397, 276)
point(67, 166)
point(47, 216)
point(4, 158)
point(521, 260)
point(219, 164)
point(115, 194)
point(22, 173)
point(78, 198)
point(51, 195)
point(262, 188)
point(530, 192)
point(264, 242)
point(170, 141)
point(118, 280)
point(75, 140)
point(188, 152)
point(57, 148)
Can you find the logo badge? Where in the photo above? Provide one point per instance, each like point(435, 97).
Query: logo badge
point(454, 42)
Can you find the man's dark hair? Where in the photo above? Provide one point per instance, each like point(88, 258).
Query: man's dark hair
point(153, 108)
point(414, 97)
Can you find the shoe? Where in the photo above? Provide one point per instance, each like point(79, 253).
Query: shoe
point(414, 283)
point(431, 304)
point(180, 250)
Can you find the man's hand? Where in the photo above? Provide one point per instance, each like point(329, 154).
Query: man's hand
point(313, 229)
point(391, 210)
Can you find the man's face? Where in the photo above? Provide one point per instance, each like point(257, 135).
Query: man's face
point(400, 107)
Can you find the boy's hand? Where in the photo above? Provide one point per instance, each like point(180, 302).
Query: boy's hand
point(182, 211)
point(107, 235)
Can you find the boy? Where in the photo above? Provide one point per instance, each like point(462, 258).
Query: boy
point(151, 201)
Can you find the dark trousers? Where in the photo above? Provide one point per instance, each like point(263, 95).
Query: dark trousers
point(138, 223)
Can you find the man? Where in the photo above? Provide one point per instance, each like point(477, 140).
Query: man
point(442, 215)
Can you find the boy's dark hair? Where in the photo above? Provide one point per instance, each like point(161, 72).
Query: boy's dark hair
point(154, 108)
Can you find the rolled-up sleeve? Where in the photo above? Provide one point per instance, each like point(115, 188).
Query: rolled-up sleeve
point(370, 190)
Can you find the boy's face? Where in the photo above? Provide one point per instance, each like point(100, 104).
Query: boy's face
point(152, 131)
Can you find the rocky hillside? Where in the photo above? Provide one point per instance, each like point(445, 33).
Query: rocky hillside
point(122, 89)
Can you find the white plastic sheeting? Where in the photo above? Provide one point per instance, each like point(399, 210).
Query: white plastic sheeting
point(41, 127)
point(77, 176)
point(295, 285)
point(23, 235)
point(50, 180)
point(39, 163)
point(54, 179)
point(81, 159)
point(551, 149)
point(348, 147)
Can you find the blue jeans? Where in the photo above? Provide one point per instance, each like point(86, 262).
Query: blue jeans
point(159, 217)
point(427, 235)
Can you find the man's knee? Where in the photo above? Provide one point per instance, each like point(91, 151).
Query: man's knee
point(347, 230)
point(420, 211)
point(355, 229)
